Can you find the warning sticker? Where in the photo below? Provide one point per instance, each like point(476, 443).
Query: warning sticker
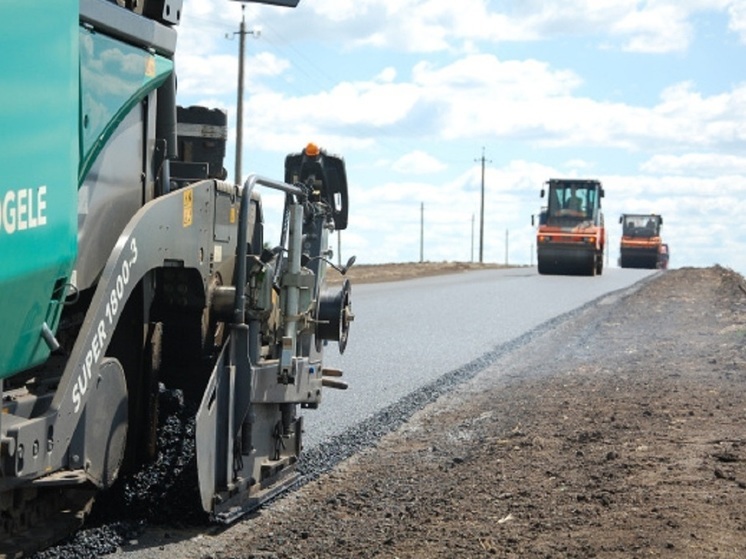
point(188, 214)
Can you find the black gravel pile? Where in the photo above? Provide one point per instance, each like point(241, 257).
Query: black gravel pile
point(90, 543)
point(165, 491)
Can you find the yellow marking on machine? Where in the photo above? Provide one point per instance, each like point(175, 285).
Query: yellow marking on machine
point(188, 213)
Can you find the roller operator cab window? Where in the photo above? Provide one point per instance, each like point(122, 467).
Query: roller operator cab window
point(572, 201)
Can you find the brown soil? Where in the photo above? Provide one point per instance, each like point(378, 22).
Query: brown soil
point(620, 433)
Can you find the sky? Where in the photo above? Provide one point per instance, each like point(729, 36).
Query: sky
point(424, 97)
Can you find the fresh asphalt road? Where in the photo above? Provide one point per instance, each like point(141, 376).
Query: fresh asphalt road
point(407, 334)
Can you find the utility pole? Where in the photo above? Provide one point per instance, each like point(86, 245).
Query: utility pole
point(239, 102)
point(242, 43)
point(481, 213)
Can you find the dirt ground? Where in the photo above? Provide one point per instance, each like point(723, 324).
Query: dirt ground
point(618, 434)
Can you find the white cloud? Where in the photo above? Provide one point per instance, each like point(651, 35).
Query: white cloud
point(578, 164)
point(737, 23)
point(658, 26)
point(695, 164)
point(387, 75)
point(417, 163)
point(427, 26)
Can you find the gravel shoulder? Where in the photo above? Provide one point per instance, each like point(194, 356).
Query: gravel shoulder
point(619, 432)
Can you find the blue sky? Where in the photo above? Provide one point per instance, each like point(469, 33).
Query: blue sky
point(647, 96)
